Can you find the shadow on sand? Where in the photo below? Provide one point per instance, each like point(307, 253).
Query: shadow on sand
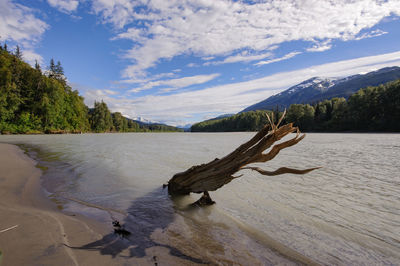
point(153, 211)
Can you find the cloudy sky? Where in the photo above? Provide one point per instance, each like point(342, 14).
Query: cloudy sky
point(181, 61)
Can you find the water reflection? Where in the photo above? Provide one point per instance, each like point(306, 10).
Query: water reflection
point(154, 211)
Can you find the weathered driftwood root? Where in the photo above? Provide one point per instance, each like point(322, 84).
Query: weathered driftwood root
point(215, 174)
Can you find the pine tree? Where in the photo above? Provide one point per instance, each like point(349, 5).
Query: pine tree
point(59, 69)
point(18, 53)
point(52, 69)
point(37, 66)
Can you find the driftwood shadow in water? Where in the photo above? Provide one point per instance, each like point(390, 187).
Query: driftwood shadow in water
point(153, 211)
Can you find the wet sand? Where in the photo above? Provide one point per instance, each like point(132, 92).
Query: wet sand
point(33, 231)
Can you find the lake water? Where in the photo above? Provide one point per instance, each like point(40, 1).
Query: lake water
point(346, 213)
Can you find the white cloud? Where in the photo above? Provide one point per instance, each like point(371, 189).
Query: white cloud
point(242, 57)
point(18, 23)
point(66, 6)
point(149, 79)
point(110, 92)
point(207, 58)
point(320, 47)
point(165, 90)
point(192, 65)
point(287, 56)
point(31, 57)
point(221, 27)
point(371, 34)
point(177, 83)
point(231, 98)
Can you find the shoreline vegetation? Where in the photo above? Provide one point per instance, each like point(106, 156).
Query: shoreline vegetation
point(372, 109)
point(36, 101)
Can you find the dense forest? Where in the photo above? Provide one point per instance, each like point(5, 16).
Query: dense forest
point(374, 109)
point(248, 121)
point(33, 100)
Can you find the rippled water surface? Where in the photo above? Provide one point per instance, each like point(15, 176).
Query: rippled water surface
point(348, 212)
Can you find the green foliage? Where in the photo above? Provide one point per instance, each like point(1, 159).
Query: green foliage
point(56, 72)
point(120, 122)
point(18, 53)
point(248, 121)
point(376, 108)
point(301, 115)
point(132, 126)
point(369, 109)
point(100, 118)
point(160, 128)
point(37, 66)
point(32, 102)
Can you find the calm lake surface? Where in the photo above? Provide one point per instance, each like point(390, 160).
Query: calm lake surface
point(346, 213)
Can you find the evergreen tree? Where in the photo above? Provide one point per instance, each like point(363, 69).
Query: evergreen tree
point(18, 53)
point(30, 101)
point(100, 118)
point(133, 126)
point(59, 70)
point(33, 102)
point(52, 69)
point(37, 66)
point(60, 73)
point(120, 122)
point(302, 115)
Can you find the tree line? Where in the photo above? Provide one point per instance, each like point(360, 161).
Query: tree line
point(372, 109)
point(247, 121)
point(37, 101)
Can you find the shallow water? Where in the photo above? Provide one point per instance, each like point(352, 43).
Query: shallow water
point(348, 212)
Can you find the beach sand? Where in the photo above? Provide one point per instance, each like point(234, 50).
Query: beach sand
point(33, 231)
point(38, 232)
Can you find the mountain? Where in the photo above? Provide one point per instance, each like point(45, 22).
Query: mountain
point(146, 125)
point(220, 117)
point(318, 89)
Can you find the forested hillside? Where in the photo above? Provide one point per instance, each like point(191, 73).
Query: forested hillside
point(37, 101)
point(369, 109)
point(248, 121)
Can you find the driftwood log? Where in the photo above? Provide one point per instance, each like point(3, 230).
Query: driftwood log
point(213, 175)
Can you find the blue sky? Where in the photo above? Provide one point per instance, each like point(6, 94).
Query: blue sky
point(181, 62)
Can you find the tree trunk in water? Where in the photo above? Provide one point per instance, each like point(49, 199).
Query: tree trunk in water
point(213, 175)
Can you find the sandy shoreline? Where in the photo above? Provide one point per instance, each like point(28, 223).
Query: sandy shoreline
point(33, 231)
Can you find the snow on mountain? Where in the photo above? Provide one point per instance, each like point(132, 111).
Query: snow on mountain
point(321, 88)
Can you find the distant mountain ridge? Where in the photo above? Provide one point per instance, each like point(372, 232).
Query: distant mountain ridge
point(154, 126)
point(220, 116)
point(318, 89)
